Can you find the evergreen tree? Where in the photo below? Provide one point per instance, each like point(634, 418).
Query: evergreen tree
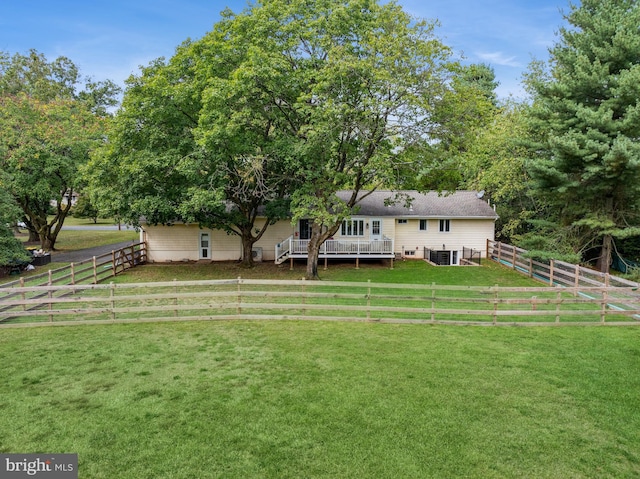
point(586, 114)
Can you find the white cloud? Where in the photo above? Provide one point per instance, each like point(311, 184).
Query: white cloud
point(499, 58)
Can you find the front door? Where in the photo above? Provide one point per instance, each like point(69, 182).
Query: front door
point(376, 229)
point(205, 246)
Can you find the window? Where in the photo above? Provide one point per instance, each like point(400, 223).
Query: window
point(305, 229)
point(402, 222)
point(376, 228)
point(353, 228)
point(445, 226)
point(423, 225)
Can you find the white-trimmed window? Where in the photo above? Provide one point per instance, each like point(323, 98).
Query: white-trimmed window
point(352, 228)
point(445, 226)
point(423, 225)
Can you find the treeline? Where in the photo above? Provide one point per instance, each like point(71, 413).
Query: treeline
point(286, 102)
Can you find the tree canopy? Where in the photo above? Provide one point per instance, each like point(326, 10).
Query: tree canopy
point(47, 129)
point(345, 87)
point(586, 119)
point(274, 111)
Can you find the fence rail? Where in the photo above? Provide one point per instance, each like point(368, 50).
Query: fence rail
point(329, 301)
point(90, 271)
point(555, 273)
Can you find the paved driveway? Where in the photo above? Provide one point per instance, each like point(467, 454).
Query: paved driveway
point(88, 253)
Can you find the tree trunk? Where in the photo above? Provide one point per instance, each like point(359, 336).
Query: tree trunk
point(247, 251)
point(33, 236)
point(313, 251)
point(605, 254)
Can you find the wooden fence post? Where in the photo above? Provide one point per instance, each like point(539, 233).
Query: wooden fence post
point(558, 300)
point(495, 304)
point(73, 274)
point(530, 268)
point(113, 263)
point(433, 301)
point(239, 298)
point(95, 271)
point(368, 300)
point(603, 311)
point(515, 257)
point(50, 295)
point(175, 299)
point(499, 252)
point(23, 295)
point(304, 297)
point(112, 291)
point(551, 273)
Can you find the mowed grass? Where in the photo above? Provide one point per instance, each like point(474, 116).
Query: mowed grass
point(325, 400)
point(72, 240)
point(410, 271)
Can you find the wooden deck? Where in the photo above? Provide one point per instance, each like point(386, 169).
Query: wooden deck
point(292, 248)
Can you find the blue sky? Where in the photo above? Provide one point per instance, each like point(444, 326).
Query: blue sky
point(112, 39)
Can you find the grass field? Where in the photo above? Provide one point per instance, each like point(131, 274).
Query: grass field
point(293, 399)
point(71, 240)
point(410, 271)
point(325, 400)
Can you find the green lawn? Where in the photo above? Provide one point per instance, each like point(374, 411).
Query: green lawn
point(71, 240)
point(292, 399)
point(411, 271)
point(325, 400)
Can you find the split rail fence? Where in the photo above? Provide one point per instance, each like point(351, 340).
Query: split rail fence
point(553, 273)
point(310, 300)
point(89, 271)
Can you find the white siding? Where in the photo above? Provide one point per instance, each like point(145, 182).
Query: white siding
point(275, 234)
point(172, 243)
point(180, 242)
point(462, 233)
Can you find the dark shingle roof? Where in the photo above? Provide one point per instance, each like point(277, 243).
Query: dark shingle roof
point(458, 204)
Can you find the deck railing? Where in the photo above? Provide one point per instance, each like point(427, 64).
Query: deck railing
point(292, 246)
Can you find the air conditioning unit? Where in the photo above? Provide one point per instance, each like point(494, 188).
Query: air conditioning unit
point(257, 254)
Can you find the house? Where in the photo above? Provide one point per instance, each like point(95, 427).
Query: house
point(385, 224)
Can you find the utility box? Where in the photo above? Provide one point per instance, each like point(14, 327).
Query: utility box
point(257, 254)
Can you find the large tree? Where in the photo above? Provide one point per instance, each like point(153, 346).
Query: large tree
point(153, 166)
point(495, 162)
point(346, 88)
point(586, 117)
point(464, 114)
point(11, 248)
point(48, 126)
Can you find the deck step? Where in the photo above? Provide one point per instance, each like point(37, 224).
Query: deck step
point(282, 258)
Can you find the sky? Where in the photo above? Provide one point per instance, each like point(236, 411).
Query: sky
point(111, 40)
